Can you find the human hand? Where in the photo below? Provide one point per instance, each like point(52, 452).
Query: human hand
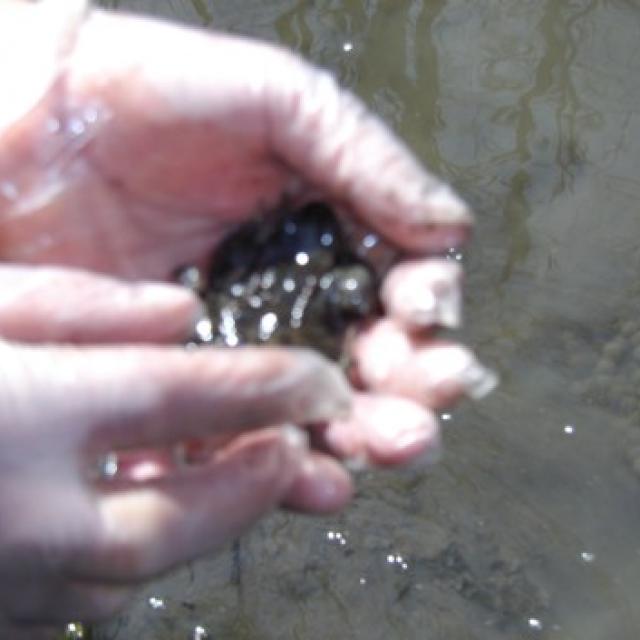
point(133, 153)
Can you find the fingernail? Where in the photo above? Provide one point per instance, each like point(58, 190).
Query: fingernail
point(446, 206)
point(168, 295)
point(478, 380)
point(329, 395)
point(443, 308)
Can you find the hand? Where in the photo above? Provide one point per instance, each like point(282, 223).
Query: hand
point(134, 152)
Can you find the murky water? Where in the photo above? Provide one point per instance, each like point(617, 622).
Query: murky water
point(530, 526)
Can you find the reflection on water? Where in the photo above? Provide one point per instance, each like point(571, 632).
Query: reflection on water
point(529, 527)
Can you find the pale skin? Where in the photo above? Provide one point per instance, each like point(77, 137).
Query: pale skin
point(127, 149)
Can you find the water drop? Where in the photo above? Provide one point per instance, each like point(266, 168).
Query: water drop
point(289, 284)
point(290, 227)
point(535, 623)
point(445, 416)
point(90, 114)
point(347, 46)
point(268, 324)
point(77, 126)
point(569, 429)
point(302, 258)
point(156, 603)
point(200, 633)
point(326, 239)
point(587, 557)
point(9, 190)
point(53, 125)
point(204, 330)
point(370, 241)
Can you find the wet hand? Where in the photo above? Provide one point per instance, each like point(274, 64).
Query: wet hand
point(130, 161)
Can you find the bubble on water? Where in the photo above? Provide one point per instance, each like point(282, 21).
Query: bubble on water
point(204, 330)
point(587, 557)
point(326, 239)
point(290, 227)
point(268, 324)
point(156, 603)
point(200, 633)
point(350, 284)
point(74, 631)
point(535, 623)
point(237, 289)
point(370, 241)
point(302, 258)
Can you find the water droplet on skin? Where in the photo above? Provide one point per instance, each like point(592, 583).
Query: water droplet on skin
point(76, 126)
point(9, 190)
point(53, 125)
point(90, 114)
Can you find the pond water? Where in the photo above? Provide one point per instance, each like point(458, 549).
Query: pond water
point(530, 525)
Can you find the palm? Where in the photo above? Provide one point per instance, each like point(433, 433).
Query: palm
point(136, 198)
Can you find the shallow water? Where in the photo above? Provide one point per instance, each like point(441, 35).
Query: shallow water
point(530, 525)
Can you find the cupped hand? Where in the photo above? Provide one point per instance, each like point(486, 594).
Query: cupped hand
point(130, 148)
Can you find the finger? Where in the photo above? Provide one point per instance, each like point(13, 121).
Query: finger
point(435, 374)
point(139, 397)
point(383, 430)
point(424, 293)
point(151, 528)
point(322, 486)
point(50, 304)
point(269, 105)
point(339, 146)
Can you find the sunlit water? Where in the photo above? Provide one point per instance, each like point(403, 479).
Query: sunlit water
point(530, 525)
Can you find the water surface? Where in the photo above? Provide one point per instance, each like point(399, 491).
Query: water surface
point(530, 526)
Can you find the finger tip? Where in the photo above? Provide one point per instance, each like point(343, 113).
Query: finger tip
point(322, 486)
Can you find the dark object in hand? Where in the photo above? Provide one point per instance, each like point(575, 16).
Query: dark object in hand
point(292, 280)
